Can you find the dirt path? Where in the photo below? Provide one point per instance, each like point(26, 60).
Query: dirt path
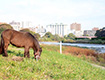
point(97, 66)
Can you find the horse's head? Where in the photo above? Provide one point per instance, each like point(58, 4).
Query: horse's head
point(38, 54)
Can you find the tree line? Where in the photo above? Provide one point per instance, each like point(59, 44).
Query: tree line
point(100, 34)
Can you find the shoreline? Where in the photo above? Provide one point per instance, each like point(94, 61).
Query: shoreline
point(75, 42)
point(81, 42)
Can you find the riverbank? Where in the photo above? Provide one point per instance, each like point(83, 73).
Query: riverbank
point(51, 66)
point(87, 41)
point(83, 53)
point(99, 48)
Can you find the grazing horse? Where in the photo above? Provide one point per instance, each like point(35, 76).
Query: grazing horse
point(20, 39)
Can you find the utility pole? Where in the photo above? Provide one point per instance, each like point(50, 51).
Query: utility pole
point(61, 47)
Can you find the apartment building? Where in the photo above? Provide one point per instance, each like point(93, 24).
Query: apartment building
point(15, 25)
point(75, 26)
point(59, 29)
point(89, 32)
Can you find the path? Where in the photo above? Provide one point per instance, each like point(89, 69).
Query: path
point(97, 66)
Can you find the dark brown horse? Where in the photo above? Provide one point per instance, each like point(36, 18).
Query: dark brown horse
point(20, 39)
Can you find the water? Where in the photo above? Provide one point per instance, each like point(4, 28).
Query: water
point(97, 47)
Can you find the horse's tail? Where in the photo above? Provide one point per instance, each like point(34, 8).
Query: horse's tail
point(1, 45)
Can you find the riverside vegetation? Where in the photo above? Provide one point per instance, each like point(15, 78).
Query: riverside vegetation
point(83, 53)
point(52, 65)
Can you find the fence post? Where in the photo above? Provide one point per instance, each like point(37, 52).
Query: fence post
point(61, 47)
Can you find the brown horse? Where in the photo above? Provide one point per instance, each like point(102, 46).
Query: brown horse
point(20, 39)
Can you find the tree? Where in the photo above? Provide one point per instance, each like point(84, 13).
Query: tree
point(27, 30)
point(37, 35)
point(100, 33)
point(4, 27)
point(1, 30)
point(57, 38)
point(33, 33)
point(48, 35)
point(70, 36)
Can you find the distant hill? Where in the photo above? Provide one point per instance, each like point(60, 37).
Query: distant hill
point(4, 27)
point(33, 33)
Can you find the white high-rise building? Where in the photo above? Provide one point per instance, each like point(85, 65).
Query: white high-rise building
point(59, 29)
point(15, 25)
point(26, 24)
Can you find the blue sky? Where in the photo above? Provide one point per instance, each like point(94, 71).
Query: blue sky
point(89, 13)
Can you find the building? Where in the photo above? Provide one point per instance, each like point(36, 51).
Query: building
point(78, 33)
point(75, 26)
point(26, 24)
point(20, 25)
point(85, 37)
point(32, 29)
point(15, 25)
point(95, 28)
point(59, 29)
point(40, 30)
point(89, 32)
point(1, 23)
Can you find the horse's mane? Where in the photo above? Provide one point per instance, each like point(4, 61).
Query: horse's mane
point(36, 41)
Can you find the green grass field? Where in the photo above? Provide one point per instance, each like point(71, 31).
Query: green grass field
point(51, 66)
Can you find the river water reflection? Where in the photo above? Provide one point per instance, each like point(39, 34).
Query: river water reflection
point(98, 47)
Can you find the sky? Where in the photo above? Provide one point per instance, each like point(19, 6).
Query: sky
point(88, 13)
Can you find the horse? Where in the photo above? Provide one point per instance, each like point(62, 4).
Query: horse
point(20, 39)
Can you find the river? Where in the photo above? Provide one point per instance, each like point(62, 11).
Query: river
point(97, 47)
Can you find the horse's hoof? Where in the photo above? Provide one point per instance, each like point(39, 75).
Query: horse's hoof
point(5, 55)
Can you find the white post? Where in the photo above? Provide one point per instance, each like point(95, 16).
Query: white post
point(61, 47)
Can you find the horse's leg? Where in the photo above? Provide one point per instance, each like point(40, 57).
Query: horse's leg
point(5, 48)
point(1, 47)
point(1, 51)
point(26, 53)
point(34, 53)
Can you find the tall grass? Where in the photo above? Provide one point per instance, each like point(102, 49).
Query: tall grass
point(52, 65)
point(84, 53)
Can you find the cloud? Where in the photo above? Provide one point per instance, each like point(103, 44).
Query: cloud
point(58, 8)
point(52, 11)
point(67, 9)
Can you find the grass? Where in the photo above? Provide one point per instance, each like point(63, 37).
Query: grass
point(52, 65)
point(83, 53)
